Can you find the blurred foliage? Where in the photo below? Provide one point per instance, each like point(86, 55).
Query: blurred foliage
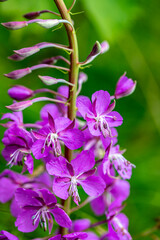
point(133, 31)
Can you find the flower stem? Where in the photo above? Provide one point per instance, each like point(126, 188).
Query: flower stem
point(73, 78)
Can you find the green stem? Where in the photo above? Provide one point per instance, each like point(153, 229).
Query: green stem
point(73, 78)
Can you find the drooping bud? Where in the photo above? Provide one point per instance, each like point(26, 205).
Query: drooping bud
point(18, 73)
point(15, 25)
point(96, 50)
point(52, 60)
point(15, 57)
point(125, 86)
point(104, 47)
point(26, 52)
point(19, 106)
point(50, 80)
point(20, 93)
point(32, 15)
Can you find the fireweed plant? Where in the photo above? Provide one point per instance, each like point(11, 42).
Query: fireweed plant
point(75, 143)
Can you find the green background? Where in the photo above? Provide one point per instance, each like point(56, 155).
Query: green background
point(132, 29)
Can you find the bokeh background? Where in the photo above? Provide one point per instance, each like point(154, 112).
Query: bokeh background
point(132, 29)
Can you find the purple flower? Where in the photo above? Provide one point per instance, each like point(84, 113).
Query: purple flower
point(78, 172)
point(15, 117)
point(98, 114)
point(15, 180)
point(114, 157)
point(18, 143)
point(49, 137)
point(125, 86)
point(4, 235)
point(71, 236)
point(38, 207)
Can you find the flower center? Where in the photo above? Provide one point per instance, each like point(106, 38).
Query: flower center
point(52, 141)
point(73, 191)
point(42, 216)
point(102, 125)
point(16, 158)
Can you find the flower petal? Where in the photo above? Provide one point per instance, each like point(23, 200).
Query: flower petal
point(83, 162)
point(93, 186)
point(102, 101)
point(84, 106)
point(60, 189)
point(58, 167)
point(61, 217)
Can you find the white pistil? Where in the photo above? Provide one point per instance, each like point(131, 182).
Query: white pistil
point(73, 191)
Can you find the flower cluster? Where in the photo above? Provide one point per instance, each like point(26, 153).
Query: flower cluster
point(74, 145)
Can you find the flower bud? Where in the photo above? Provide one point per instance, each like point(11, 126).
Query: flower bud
point(15, 57)
point(26, 52)
point(20, 93)
point(96, 50)
point(50, 80)
point(32, 15)
point(18, 73)
point(125, 86)
point(48, 23)
point(104, 47)
point(15, 25)
point(19, 106)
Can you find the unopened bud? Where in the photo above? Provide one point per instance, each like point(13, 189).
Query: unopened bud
point(20, 93)
point(48, 23)
point(96, 50)
point(15, 57)
point(19, 106)
point(104, 47)
point(50, 80)
point(18, 73)
point(15, 25)
point(32, 15)
point(125, 86)
point(26, 52)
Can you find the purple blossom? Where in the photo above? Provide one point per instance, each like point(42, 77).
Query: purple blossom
point(18, 143)
point(15, 180)
point(49, 137)
point(4, 235)
point(15, 118)
point(98, 114)
point(38, 207)
point(114, 157)
point(78, 172)
point(125, 86)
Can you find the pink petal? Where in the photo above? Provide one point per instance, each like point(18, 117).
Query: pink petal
point(83, 162)
point(93, 186)
point(102, 101)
